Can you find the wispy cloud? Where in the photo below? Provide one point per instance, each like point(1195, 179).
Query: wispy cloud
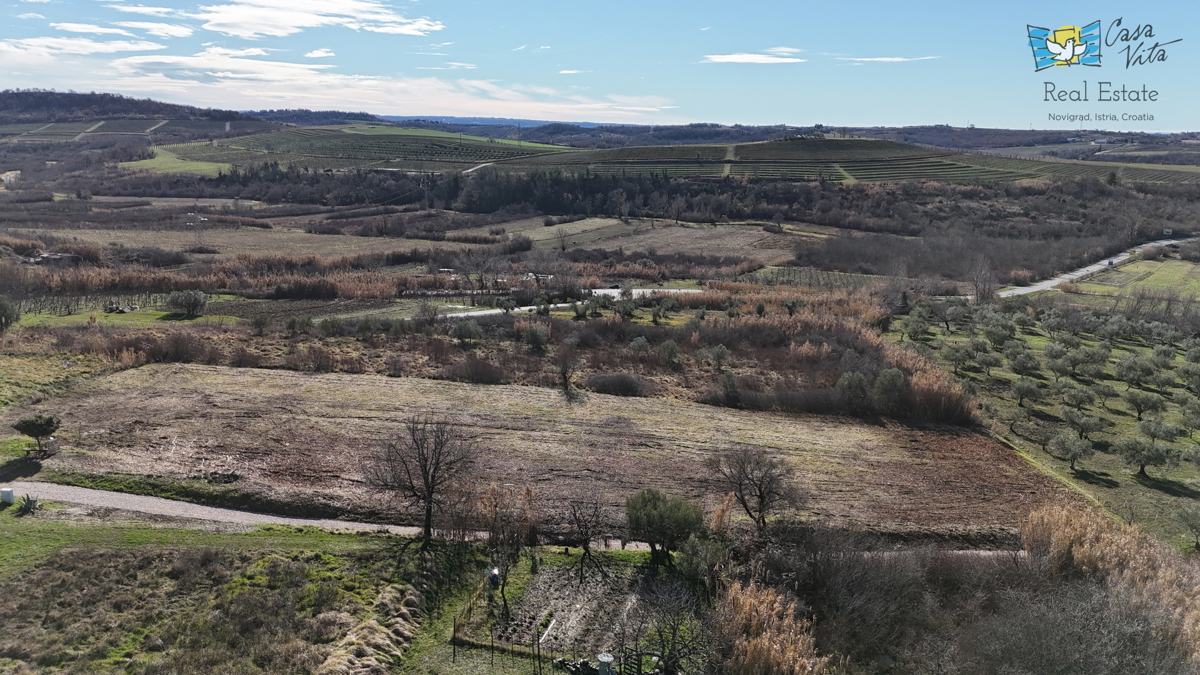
point(278, 18)
point(30, 15)
point(320, 54)
point(569, 72)
point(223, 78)
point(783, 51)
point(165, 30)
point(520, 48)
point(35, 0)
point(887, 59)
point(450, 65)
point(750, 58)
point(89, 28)
point(143, 9)
point(48, 46)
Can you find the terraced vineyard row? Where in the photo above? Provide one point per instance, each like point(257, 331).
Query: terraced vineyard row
point(327, 143)
point(1049, 169)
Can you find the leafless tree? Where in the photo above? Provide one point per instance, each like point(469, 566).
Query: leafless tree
point(759, 482)
point(673, 631)
point(983, 280)
point(421, 466)
point(586, 520)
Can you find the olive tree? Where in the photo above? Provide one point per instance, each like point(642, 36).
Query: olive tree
point(192, 302)
point(38, 427)
point(662, 522)
point(9, 314)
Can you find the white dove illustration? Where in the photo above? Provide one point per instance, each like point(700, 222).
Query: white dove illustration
point(1065, 52)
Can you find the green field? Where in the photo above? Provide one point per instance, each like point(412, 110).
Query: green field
point(166, 161)
point(1160, 275)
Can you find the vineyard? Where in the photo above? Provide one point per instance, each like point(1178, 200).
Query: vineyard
point(69, 131)
point(809, 159)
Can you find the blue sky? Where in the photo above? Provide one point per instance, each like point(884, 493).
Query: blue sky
point(750, 62)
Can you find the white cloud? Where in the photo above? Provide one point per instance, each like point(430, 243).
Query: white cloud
point(89, 28)
point(544, 47)
point(223, 78)
point(142, 9)
point(887, 59)
point(519, 48)
point(35, 0)
point(278, 18)
point(164, 30)
point(783, 51)
point(49, 46)
point(30, 15)
point(320, 54)
point(750, 58)
point(450, 65)
point(569, 72)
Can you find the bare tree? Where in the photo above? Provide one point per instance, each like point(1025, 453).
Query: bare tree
point(983, 280)
point(586, 520)
point(421, 466)
point(759, 482)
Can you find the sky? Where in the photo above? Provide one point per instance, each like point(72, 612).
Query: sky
point(795, 62)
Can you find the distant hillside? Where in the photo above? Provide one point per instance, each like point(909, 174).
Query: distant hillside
point(318, 118)
point(34, 105)
point(969, 138)
point(489, 121)
point(580, 136)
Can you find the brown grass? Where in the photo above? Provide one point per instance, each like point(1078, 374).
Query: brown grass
point(296, 436)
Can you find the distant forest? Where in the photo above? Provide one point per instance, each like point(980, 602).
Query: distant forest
point(318, 118)
point(38, 105)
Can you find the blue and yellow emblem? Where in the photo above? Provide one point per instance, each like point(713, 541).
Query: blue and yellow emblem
point(1066, 46)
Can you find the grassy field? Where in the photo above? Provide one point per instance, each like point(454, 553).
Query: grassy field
point(166, 161)
point(1160, 275)
point(287, 433)
point(24, 377)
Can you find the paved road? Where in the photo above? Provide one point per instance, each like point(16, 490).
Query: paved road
point(1084, 271)
point(611, 292)
point(169, 507)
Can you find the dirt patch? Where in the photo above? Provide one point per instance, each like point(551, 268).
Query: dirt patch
point(748, 241)
point(299, 436)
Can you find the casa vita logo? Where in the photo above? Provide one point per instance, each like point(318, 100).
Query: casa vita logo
point(1065, 46)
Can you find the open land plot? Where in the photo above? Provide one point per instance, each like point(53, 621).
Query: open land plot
point(1162, 275)
point(298, 437)
point(747, 241)
point(253, 241)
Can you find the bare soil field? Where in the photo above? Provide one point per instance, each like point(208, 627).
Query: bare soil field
point(254, 241)
point(298, 438)
point(747, 241)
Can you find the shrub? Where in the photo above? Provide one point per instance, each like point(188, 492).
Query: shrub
point(37, 427)
point(192, 302)
point(661, 521)
point(475, 371)
point(536, 336)
point(618, 384)
point(9, 314)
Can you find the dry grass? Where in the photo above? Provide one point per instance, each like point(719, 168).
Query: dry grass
point(748, 241)
point(295, 435)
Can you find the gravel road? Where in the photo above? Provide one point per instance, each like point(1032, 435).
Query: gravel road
point(169, 507)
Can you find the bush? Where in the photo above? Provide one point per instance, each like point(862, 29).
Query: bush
point(38, 427)
point(475, 371)
point(192, 302)
point(661, 521)
point(618, 384)
point(9, 314)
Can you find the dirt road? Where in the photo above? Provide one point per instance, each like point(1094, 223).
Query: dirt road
point(176, 509)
